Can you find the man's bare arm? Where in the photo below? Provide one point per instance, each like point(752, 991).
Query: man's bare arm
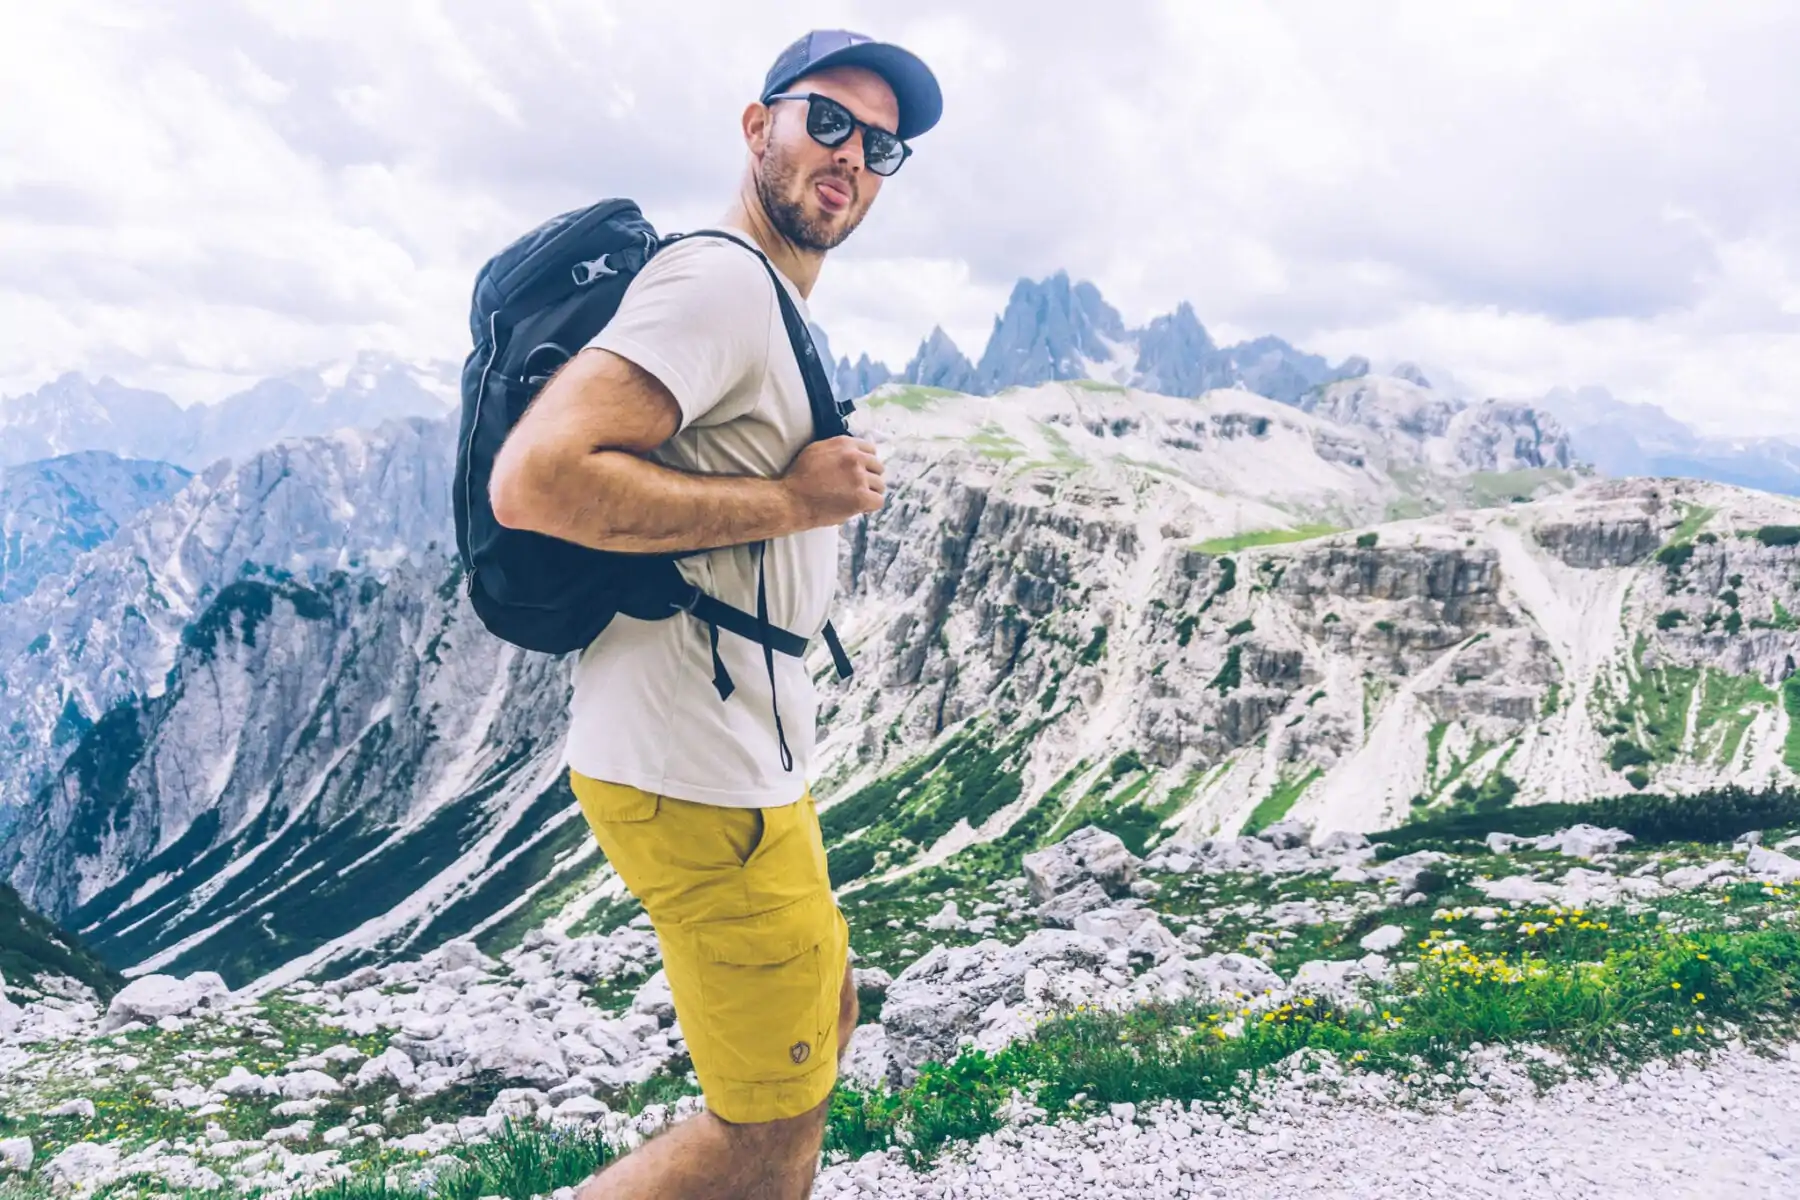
point(573, 468)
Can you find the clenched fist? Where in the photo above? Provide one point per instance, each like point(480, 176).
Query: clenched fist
point(834, 480)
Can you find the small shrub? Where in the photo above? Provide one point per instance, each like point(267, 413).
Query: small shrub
point(1676, 557)
point(1625, 754)
point(1367, 540)
point(1242, 627)
point(1670, 618)
point(1779, 535)
point(1637, 778)
point(1734, 622)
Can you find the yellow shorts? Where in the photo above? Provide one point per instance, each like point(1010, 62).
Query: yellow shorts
point(752, 940)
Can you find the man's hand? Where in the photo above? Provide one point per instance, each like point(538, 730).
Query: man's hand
point(834, 480)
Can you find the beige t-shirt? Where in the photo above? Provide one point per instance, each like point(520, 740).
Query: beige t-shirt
point(702, 317)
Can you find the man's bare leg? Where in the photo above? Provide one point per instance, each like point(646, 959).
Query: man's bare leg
point(704, 1158)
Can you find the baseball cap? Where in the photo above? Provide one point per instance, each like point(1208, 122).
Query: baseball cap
point(915, 87)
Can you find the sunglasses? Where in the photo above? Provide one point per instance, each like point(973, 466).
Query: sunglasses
point(831, 124)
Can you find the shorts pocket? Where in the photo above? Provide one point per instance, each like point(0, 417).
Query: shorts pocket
point(611, 803)
point(769, 1010)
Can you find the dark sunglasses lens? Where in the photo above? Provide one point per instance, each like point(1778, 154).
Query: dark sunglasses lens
point(829, 121)
point(882, 152)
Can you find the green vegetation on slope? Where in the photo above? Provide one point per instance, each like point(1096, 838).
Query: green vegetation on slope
point(1266, 537)
point(1790, 695)
point(913, 398)
point(1280, 801)
point(1714, 815)
point(30, 944)
point(970, 776)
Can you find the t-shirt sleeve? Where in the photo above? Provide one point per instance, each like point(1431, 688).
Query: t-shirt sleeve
point(696, 317)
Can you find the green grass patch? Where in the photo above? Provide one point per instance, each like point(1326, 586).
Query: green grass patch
point(1693, 519)
point(1790, 699)
point(913, 398)
point(991, 441)
point(1280, 801)
point(1265, 537)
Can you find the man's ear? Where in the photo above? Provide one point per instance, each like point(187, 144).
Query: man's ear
point(758, 124)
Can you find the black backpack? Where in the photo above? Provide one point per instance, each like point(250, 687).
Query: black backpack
point(536, 304)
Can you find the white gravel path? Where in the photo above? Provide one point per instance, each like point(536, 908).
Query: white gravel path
point(1674, 1133)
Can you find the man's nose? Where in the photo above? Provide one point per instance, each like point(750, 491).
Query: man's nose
point(850, 151)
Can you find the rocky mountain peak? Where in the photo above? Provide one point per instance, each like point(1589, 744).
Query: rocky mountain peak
point(940, 364)
point(1051, 329)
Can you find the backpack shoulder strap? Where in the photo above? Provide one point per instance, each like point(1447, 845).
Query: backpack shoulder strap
point(828, 412)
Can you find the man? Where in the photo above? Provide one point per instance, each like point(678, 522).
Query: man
point(685, 425)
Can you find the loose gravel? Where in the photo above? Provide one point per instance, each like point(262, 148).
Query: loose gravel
point(1673, 1132)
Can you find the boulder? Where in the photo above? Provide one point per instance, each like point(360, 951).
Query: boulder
point(869, 1062)
point(16, 1154)
point(967, 990)
point(946, 918)
point(305, 1085)
point(1061, 911)
point(152, 997)
point(1517, 889)
point(1213, 977)
point(84, 1165)
point(518, 1049)
point(81, 1107)
point(1090, 853)
point(461, 954)
point(1114, 926)
point(392, 1065)
point(1286, 835)
point(1406, 870)
point(1383, 939)
point(579, 1109)
point(1585, 841)
point(1686, 879)
point(1772, 864)
point(518, 1103)
point(872, 981)
point(241, 1081)
point(654, 999)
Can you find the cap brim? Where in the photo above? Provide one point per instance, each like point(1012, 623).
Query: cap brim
point(915, 87)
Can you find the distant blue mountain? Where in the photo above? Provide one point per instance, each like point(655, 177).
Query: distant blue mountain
point(1056, 328)
point(1623, 438)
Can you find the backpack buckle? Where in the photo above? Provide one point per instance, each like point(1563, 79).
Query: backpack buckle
point(586, 272)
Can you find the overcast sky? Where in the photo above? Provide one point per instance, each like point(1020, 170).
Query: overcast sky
point(197, 193)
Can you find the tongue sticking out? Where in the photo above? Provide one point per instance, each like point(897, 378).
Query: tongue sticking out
point(833, 195)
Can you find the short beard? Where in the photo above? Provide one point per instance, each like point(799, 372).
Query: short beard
point(774, 182)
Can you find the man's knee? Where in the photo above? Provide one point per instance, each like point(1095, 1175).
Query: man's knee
point(789, 1137)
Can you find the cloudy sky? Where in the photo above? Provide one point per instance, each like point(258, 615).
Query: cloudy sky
point(196, 193)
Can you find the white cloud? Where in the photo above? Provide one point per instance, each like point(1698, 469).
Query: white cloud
point(1529, 193)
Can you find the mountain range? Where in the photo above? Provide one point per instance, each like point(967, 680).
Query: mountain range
point(73, 413)
point(1623, 438)
point(249, 723)
point(1054, 329)
point(259, 731)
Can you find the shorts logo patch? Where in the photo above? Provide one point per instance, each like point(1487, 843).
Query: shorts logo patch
point(800, 1052)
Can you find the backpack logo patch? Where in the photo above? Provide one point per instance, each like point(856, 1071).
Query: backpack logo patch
point(800, 1052)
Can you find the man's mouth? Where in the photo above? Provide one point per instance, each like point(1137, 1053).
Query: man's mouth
point(834, 194)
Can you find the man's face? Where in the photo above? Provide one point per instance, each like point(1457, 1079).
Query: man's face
point(814, 194)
